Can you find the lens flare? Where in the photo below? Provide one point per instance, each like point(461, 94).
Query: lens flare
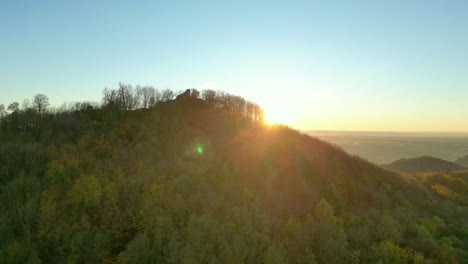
point(200, 150)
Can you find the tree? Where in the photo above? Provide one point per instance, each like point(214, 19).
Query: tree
point(2, 110)
point(13, 107)
point(146, 95)
point(325, 214)
point(209, 96)
point(125, 96)
point(274, 255)
point(388, 252)
point(167, 95)
point(40, 103)
point(388, 229)
point(25, 104)
point(155, 98)
point(109, 97)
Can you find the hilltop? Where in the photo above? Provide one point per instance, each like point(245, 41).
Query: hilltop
point(422, 164)
point(200, 179)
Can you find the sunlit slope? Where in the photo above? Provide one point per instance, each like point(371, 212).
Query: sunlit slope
point(450, 185)
point(186, 182)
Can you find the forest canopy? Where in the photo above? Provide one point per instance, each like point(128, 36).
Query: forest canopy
point(155, 176)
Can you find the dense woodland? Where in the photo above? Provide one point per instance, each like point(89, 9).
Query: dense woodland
point(148, 177)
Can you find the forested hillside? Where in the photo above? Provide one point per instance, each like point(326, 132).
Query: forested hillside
point(422, 164)
point(146, 177)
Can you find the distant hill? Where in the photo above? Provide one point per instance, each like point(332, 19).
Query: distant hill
point(422, 164)
point(462, 161)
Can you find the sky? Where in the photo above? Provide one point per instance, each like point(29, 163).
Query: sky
point(327, 65)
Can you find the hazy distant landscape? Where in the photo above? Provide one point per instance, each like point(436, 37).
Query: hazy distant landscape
point(386, 147)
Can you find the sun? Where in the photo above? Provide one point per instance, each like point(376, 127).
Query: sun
point(277, 115)
point(278, 112)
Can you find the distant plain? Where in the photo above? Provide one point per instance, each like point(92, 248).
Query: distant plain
point(386, 147)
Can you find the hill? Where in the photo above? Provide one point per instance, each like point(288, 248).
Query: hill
point(193, 180)
point(462, 161)
point(422, 164)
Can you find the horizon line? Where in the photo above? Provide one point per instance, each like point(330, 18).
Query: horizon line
point(387, 131)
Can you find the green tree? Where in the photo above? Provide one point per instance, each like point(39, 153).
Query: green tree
point(325, 213)
point(274, 255)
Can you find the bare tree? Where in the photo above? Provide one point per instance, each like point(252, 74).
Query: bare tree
point(139, 94)
point(209, 96)
point(135, 99)
point(40, 103)
point(13, 107)
point(155, 97)
point(126, 96)
point(146, 95)
point(258, 114)
point(109, 96)
point(167, 95)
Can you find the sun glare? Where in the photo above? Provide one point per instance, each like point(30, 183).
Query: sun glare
point(276, 115)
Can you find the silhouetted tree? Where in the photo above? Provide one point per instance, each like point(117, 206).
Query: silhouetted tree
point(167, 95)
point(110, 97)
point(13, 107)
point(209, 96)
point(125, 96)
point(40, 103)
point(135, 101)
point(155, 98)
point(147, 96)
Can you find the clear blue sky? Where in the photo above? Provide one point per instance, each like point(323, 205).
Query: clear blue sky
point(345, 65)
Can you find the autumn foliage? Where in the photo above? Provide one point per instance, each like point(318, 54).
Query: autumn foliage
point(144, 177)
